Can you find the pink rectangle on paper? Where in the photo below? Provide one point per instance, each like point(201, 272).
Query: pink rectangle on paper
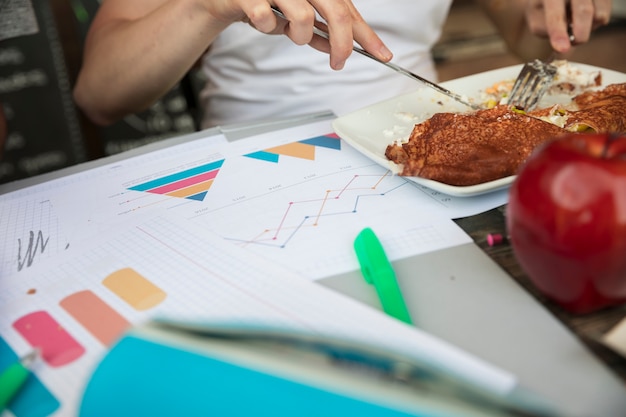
point(57, 347)
point(104, 323)
point(185, 183)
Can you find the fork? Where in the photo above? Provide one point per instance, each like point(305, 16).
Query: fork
point(534, 80)
point(394, 67)
point(531, 84)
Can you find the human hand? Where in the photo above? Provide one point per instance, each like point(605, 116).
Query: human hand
point(551, 18)
point(343, 22)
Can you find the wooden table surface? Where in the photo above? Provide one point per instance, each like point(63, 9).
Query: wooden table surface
point(588, 327)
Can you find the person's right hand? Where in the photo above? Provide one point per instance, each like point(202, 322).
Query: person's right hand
point(342, 21)
point(136, 51)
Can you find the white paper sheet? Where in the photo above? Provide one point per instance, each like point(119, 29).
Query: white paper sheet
point(199, 278)
point(297, 196)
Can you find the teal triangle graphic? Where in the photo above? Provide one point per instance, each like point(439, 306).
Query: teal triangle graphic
point(264, 156)
point(197, 197)
point(328, 141)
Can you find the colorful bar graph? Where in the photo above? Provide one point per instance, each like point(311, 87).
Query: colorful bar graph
point(96, 316)
point(304, 149)
point(195, 192)
point(330, 141)
point(264, 156)
point(191, 183)
point(33, 399)
point(184, 183)
point(132, 287)
point(42, 331)
point(296, 150)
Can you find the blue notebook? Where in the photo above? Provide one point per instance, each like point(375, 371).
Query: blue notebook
point(221, 370)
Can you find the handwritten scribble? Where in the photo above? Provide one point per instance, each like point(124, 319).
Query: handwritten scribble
point(34, 245)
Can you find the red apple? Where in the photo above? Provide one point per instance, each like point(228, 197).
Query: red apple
point(566, 220)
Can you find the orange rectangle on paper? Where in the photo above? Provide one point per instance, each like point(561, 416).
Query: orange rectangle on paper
point(42, 331)
point(102, 321)
point(132, 287)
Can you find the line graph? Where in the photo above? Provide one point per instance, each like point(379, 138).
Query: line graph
point(307, 221)
point(297, 196)
point(315, 210)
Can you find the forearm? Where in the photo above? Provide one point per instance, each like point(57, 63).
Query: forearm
point(131, 61)
point(137, 50)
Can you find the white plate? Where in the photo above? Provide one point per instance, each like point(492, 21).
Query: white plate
point(371, 129)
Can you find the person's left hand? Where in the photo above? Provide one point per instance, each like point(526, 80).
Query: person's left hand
point(552, 18)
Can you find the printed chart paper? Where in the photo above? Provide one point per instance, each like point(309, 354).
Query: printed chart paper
point(73, 308)
point(298, 196)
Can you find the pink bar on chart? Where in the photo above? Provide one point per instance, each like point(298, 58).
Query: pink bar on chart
point(104, 323)
point(42, 331)
point(187, 182)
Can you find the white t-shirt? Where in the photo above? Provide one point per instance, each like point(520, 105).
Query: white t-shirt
point(253, 76)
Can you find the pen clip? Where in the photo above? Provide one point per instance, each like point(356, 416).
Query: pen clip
point(29, 359)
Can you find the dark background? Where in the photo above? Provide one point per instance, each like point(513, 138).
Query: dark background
point(45, 129)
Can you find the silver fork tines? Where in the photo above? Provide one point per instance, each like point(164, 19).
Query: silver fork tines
point(531, 84)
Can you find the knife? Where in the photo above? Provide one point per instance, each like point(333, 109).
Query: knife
point(397, 68)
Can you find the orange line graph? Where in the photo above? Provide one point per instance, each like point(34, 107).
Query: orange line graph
point(291, 221)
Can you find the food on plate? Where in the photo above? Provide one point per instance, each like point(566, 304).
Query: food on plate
point(606, 115)
point(589, 97)
point(468, 149)
point(464, 149)
point(569, 80)
point(597, 111)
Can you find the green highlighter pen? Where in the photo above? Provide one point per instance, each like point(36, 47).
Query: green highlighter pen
point(377, 270)
point(14, 377)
